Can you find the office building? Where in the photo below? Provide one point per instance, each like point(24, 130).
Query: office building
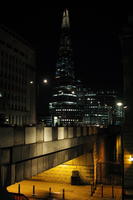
point(72, 103)
point(64, 107)
point(17, 79)
point(100, 107)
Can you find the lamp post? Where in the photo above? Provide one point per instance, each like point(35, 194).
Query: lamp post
point(121, 107)
point(45, 81)
point(38, 84)
point(119, 112)
point(122, 164)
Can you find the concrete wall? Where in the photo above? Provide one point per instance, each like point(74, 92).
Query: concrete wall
point(10, 136)
point(63, 173)
point(30, 135)
point(19, 135)
point(39, 134)
point(26, 152)
point(47, 134)
point(29, 151)
point(6, 137)
point(61, 133)
point(127, 53)
point(128, 165)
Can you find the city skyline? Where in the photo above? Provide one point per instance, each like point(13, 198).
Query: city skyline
point(95, 40)
point(95, 44)
point(82, 145)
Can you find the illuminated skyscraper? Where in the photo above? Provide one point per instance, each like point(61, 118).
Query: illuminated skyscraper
point(72, 103)
point(64, 108)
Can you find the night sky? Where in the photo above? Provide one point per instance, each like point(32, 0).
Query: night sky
point(95, 40)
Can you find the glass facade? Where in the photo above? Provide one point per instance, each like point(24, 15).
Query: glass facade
point(73, 104)
point(64, 106)
point(99, 107)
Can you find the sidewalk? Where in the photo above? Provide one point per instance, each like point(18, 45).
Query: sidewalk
point(71, 192)
point(42, 188)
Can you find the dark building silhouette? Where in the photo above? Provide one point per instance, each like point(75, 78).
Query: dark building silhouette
point(17, 80)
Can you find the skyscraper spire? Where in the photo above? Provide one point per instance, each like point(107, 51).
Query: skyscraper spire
point(65, 20)
point(64, 66)
point(63, 107)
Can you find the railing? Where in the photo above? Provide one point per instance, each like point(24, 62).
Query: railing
point(104, 191)
point(109, 173)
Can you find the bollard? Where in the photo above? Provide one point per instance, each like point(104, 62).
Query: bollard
point(112, 191)
point(91, 190)
point(33, 192)
point(50, 192)
point(19, 188)
point(93, 187)
point(102, 190)
point(63, 196)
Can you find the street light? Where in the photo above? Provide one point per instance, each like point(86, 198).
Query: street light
point(41, 83)
point(31, 82)
point(45, 81)
point(119, 112)
point(119, 104)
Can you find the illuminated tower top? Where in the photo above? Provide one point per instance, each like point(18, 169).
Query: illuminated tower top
point(65, 20)
point(63, 107)
point(64, 66)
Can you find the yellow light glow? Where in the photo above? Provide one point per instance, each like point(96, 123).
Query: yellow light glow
point(131, 158)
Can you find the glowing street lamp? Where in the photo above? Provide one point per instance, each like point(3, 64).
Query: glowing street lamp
point(119, 104)
point(31, 82)
point(45, 81)
point(131, 158)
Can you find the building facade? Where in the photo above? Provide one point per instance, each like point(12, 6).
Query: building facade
point(63, 107)
point(17, 75)
point(100, 107)
point(72, 103)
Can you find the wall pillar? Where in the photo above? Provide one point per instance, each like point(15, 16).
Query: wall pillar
point(127, 132)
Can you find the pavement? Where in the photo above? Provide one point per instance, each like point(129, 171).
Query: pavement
point(72, 192)
point(39, 188)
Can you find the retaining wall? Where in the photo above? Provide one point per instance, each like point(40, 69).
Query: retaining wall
point(25, 152)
